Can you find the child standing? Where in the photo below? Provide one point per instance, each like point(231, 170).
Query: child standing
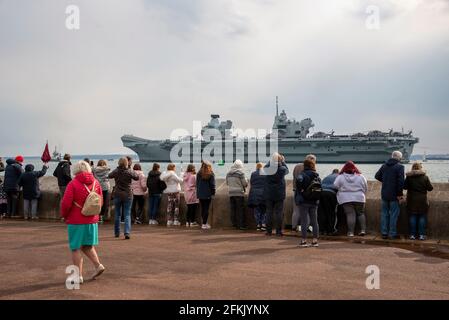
point(139, 188)
point(155, 188)
point(190, 195)
point(173, 189)
point(205, 190)
point(255, 197)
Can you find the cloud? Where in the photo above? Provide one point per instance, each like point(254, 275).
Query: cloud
point(146, 67)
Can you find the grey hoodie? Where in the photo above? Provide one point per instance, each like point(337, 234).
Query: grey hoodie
point(351, 188)
point(101, 173)
point(236, 181)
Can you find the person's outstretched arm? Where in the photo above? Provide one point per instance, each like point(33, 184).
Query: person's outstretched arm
point(42, 172)
point(113, 174)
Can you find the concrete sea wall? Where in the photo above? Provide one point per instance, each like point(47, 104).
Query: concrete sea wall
point(438, 218)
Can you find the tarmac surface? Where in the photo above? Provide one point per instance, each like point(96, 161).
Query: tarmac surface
point(179, 263)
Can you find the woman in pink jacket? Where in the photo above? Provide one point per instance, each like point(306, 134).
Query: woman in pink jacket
point(139, 188)
point(190, 195)
point(82, 230)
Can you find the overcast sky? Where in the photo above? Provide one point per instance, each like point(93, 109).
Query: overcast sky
point(148, 66)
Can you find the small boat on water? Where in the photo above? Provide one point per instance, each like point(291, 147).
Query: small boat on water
point(56, 156)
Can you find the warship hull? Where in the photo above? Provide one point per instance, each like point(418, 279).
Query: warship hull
point(327, 150)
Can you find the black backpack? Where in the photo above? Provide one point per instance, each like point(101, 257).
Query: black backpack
point(313, 191)
point(162, 185)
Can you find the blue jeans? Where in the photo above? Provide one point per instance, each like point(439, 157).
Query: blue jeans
point(309, 216)
point(389, 218)
point(418, 220)
point(122, 207)
point(259, 214)
point(275, 211)
point(153, 205)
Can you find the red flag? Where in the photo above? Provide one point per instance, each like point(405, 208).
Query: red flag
point(46, 155)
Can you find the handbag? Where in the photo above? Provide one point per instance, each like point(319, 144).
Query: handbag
point(113, 192)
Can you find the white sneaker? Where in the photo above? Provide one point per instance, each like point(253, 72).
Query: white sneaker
point(204, 227)
point(187, 224)
point(304, 244)
point(150, 222)
point(73, 280)
point(100, 269)
point(176, 223)
point(350, 234)
point(193, 224)
point(207, 226)
point(169, 223)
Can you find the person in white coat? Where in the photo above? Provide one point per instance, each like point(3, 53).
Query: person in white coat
point(351, 195)
point(173, 190)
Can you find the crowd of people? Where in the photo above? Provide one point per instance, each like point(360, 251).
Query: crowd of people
point(315, 207)
point(15, 179)
point(85, 197)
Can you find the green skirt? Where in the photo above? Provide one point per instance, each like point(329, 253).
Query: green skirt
point(82, 235)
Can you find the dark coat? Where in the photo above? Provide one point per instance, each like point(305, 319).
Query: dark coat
point(257, 182)
point(62, 172)
point(29, 181)
point(302, 182)
point(13, 172)
point(391, 174)
point(154, 184)
point(274, 189)
point(2, 168)
point(417, 185)
point(205, 188)
point(123, 179)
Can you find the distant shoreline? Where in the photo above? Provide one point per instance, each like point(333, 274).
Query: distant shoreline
point(82, 156)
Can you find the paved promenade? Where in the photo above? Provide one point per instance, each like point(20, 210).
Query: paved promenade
point(161, 263)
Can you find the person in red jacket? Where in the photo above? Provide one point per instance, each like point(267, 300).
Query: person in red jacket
point(82, 230)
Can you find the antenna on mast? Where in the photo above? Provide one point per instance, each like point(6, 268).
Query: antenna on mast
point(277, 106)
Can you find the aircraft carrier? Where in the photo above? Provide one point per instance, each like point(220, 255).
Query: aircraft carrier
point(292, 138)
